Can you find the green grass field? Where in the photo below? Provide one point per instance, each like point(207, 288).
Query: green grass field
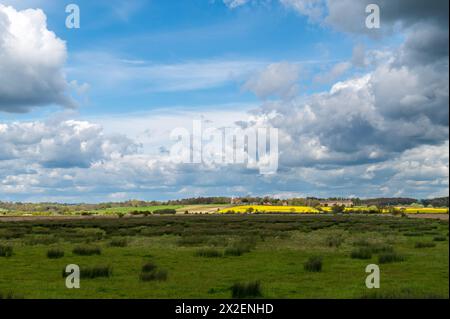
point(204, 256)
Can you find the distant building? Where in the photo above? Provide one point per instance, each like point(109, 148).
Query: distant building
point(331, 203)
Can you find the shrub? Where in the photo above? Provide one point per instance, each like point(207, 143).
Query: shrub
point(246, 290)
point(361, 253)
point(390, 257)
point(424, 245)
point(165, 211)
point(334, 241)
point(118, 242)
point(376, 249)
point(87, 250)
point(208, 252)
point(95, 272)
point(55, 253)
point(235, 251)
point(439, 238)
point(41, 240)
point(6, 251)
point(154, 275)
point(92, 272)
point(313, 264)
point(148, 267)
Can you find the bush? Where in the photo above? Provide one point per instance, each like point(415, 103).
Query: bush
point(55, 253)
point(148, 267)
point(235, 251)
point(424, 245)
point(6, 251)
point(208, 252)
point(246, 290)
point(166, 211)
point(92, 272)
point(439, 238)
point(118, 242)
point(390, 257)
point(376, 249)
point(154, 275)
point(313, 264)
point(361, 253)
point(87, 250)
point(95, 272)
point(334, 241)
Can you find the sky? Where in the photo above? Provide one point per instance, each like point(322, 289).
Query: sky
point(87, 114)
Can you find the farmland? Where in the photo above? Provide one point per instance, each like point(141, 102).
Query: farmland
point(327, 209)
point(225, 255)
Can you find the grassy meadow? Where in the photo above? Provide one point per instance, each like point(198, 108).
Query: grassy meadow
point(224, 256)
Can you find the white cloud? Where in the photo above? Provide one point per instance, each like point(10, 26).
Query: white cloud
point(31, 62)
point(280, 79)
point(234, 3)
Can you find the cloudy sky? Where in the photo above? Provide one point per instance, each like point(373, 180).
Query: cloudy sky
point(86, 114)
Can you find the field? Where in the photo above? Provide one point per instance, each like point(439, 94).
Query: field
point(221, 256)
point(312, 210)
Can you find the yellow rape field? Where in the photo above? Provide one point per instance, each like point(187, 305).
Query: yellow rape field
point(270, 209)
point(311, 210)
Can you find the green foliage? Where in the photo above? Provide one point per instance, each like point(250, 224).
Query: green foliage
point(390, 257)
point(425, 245)
point(208, 252)
point(55, 253)
point(361, 253)
point(246, 290)
point(118, 242)
point(154, 275)
point(313, 264)
point(87, 250)
point(6, 250)
point(440, 238)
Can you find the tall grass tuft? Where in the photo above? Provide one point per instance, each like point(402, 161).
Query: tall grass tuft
point(246, 290)
point(440, 238)
point(118, 242)
point(361, 253)
point(334, 241)
point(92, 272)
point(390, 257)
point(55, 253)
point(154, 275)
point(208, 252)
point(313, 264)
point(6, 250)
point(87, 250)
point(422, 244)
point(148, 267)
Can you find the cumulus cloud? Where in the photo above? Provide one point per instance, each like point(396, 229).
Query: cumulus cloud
point(31, 62)
point(279, 79)
point(62, 145)
point(334, 73)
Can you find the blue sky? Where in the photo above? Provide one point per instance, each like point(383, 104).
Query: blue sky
point(86, 114)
